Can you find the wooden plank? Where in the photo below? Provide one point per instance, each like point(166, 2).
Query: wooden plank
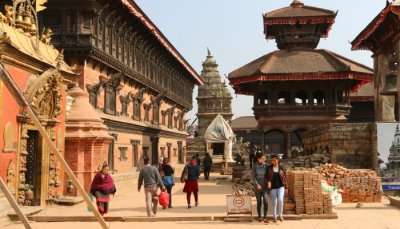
point(14, 204)
point(14, 90)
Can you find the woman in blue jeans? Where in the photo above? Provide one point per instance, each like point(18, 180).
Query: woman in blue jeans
point(276, 183)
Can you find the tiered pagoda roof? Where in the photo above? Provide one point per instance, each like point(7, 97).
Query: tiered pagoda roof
point(298, 13)
point(297, 30)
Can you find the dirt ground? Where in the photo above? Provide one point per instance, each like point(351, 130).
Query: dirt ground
point(128, 202)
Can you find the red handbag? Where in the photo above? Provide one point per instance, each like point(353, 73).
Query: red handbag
point(163, 199)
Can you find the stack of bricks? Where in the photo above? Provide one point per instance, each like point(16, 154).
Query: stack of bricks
point(290, 205)
point(357, 185)
point(306, 192)
point(326, 203)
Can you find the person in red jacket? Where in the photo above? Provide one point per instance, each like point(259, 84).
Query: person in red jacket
point(102, 187)
point(277, 183)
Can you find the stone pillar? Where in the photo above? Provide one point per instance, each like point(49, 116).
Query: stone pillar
point(374, 147)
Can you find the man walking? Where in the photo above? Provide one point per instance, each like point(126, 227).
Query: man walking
point(151, 179)
point(207, 165)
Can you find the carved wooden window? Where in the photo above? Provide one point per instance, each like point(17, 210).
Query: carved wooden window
point(110, 100)
point(147, 108)
point(100, 36)
point(170, 117)
point(107, 37)
point(136, 109)
point(162, 151)
point(125, 100)
point(145, 150)
point(163, 117)
point(156, 113)
point(93, 93)
point(176, 122)
point(113, 43)
point(123, 153)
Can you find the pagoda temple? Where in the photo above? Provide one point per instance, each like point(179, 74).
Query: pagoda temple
point(298, 85)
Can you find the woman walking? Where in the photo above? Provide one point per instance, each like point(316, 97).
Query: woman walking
point(277, 184)
point(259, 176)
point(102, 187)
point(190, 176)
point(167, 172)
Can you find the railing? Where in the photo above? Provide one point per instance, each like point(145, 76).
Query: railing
point(300, 109)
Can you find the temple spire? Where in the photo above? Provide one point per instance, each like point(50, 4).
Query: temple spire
point(209, 52)
point(297, 3)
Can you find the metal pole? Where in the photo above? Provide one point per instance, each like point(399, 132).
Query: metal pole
point(14, 90)
point(14, 205)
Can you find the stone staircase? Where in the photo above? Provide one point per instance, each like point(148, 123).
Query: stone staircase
point(195, 146)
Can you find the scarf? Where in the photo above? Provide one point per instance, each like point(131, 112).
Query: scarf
point(103, 183)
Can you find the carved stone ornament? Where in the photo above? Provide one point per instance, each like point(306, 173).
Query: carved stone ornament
point(11, 172)
point(44, 94)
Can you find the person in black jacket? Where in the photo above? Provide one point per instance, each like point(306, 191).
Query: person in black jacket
point(207, 165)
point(259, 178)
point(167, 173)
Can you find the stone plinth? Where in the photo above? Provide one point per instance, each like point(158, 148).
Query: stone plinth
point(86, 140)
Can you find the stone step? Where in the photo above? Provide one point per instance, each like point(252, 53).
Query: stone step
point(37, 218)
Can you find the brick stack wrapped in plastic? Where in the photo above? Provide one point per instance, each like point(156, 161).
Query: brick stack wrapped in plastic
point(357, 185)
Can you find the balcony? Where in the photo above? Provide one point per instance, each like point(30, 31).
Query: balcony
point(301, 110)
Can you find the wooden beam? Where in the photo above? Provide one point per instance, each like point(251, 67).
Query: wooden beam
point(17, 94)
point(14, 205)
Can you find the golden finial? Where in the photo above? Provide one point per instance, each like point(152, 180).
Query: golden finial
point(46, 36)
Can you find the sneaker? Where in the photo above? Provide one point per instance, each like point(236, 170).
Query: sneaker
point(189, 206)
point(260, 220)
point(281, 218)
point(197, 204)
point(274, 220)
point(266, 221)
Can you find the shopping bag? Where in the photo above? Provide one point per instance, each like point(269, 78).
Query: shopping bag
point(164, 199)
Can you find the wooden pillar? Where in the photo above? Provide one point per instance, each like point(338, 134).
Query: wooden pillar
point(263, 141)
point(288, 144)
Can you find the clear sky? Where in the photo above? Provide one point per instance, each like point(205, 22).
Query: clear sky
point(233, 30)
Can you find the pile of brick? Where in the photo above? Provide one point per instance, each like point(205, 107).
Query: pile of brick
point(306, 192)
point(358, 185)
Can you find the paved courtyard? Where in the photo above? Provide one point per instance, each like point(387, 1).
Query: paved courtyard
point(129, 203)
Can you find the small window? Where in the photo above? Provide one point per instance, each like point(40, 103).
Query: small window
point(122, 153)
